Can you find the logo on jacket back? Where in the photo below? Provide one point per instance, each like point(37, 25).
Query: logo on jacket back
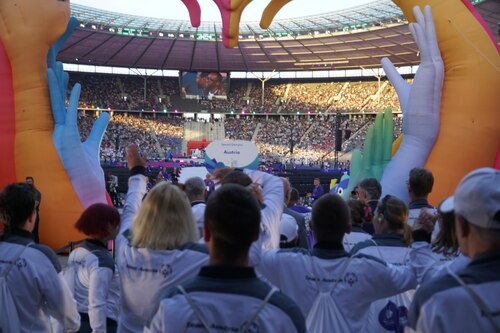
point(165, 270)
point(351, 278)
point(393, 318)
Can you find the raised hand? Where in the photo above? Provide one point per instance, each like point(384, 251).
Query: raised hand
point(80, 160)
point(420, 103)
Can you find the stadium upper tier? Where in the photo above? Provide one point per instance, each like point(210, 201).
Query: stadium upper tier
point(351, 38)
point(346, 39)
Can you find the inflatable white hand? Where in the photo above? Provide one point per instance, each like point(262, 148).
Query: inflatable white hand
point(80, 160)
point(420, 103)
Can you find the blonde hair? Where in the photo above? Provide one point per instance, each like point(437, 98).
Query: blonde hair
point(164, 220)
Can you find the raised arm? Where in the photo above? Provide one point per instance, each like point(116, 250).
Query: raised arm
point(136, 191)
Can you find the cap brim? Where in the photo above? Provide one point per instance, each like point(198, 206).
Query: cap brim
point(447, 205)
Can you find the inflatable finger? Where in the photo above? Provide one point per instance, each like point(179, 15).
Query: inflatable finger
point(194, 10)
point(270, 12)
point(230, 11)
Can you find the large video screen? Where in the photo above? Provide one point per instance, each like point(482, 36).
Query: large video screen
point(204, 84)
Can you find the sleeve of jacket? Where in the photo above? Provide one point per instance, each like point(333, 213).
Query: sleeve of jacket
point(387, 280)
point(426, 267)
point(273, 193)
point(58, 300)
point(99, 283)
point(136, 191)
point(266, 264)
point(157, 325)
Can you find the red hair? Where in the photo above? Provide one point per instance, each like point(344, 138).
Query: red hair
point(98, 220)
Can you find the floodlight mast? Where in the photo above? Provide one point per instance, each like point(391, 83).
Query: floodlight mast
point(379, 77)
point(263, 83)
point(144, 77)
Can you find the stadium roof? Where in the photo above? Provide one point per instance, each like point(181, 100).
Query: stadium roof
point(346, 39)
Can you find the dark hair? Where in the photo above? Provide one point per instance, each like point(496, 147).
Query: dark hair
point(330, 218)
point(357, 210)
point(237, 177)
point(17, 204)
point(446, 240)
point(372, 187)
point(294, 195)
point(421, 181)
point(233, 218)
point(395, 212)
point(98, 220)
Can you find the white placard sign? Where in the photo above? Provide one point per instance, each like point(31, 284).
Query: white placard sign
point(232, 153)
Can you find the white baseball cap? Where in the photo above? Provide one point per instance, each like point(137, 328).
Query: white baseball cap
point(477, 198)
point(288, 227)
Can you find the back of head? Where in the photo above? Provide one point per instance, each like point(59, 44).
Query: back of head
point(477, 201)
point(420, 182)
point(394, 211)
point(357, 211)
point(164, 220)
point(294, 196)
point(194, 188)
point(233, 218)
point(237, 177)
point(98, 220)
point(372, 187)
point(17, 204)
point(330, 218)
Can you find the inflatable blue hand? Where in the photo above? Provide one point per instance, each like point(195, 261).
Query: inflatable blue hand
point(80, 160)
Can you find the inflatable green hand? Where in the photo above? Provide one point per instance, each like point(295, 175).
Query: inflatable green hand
point(376, 153)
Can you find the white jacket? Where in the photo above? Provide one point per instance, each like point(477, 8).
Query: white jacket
point(365, 279)
point(96, 283)
point(37, 289)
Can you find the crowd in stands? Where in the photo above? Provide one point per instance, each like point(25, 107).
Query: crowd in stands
point(147, 93)
point(155, 136)
point(312, 138)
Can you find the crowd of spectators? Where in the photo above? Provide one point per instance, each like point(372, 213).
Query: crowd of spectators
point(155, 93)
point(155, 136)
point(287, 140)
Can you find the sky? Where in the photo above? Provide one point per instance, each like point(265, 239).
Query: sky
point(174, 9)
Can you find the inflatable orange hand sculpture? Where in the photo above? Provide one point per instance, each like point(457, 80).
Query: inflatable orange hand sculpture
point(469, 132)
point(28, 29)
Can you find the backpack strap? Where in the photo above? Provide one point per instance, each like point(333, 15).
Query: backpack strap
point(479, 302)
point(194, 307)
point(19, 253)
point(259, 310)
point(245, 328)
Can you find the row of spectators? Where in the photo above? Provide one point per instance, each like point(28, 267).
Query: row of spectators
point(288, 140)
point(140, 93)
